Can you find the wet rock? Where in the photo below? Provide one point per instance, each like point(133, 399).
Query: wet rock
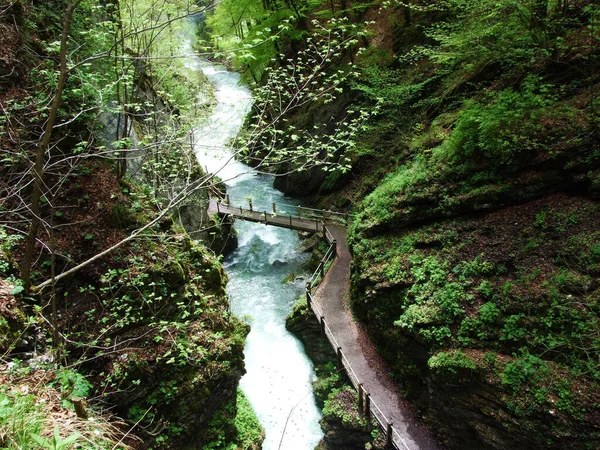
point(309, 243)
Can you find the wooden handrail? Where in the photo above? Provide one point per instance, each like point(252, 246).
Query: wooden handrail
point(369, 408)
point(301, 212)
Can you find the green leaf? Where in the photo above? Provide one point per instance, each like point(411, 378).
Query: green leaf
point(17, 290)
point(68, 441)
point(42, 442)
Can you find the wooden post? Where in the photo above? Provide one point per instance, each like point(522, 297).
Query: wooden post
point(228, 200)
point(324, 215)
point(299, 213)
point(388, 437)
point(274, 208)
point(361, 403)
point(266, 221)
point(218, 210)
point(324, 230)
point(368, 406)
point(308, 289)
point(79, 405)
point(322, 269)
point(250, 203)
point(322, 326)
point(317, 225)
point(290, 221)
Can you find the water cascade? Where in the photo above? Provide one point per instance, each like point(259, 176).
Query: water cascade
point(279, 374)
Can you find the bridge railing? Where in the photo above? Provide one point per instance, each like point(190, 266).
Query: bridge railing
point(294, 211)
point(367, 406)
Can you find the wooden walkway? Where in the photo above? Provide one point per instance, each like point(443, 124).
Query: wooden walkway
point(311, 222)
point(378, 396)
point(327, 293)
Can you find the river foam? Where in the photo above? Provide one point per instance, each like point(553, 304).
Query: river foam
point(279, 374)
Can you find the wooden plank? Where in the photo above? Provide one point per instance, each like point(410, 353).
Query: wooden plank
point(285, 222)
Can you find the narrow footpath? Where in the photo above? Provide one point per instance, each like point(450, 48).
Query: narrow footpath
point(293, 223)
point(332, 297)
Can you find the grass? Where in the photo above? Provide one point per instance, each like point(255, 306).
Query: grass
point(34, 415)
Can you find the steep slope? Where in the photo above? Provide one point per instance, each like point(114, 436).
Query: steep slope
point(476, 189)
point(476, 254)
point(143, 331)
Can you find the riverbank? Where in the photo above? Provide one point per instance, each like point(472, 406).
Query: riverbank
point(332, 299)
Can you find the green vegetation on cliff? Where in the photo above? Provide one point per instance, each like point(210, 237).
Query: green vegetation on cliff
point(103, 296)
point(476, 189)
point(475, 276)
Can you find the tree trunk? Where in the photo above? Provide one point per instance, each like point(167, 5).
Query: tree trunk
point(407, 17)
point(43, 146)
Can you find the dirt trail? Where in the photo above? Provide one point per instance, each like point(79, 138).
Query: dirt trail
point(332, 297)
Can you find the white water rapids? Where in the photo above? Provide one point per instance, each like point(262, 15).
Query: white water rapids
point(279, 374)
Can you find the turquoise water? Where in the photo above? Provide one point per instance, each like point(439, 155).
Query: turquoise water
point(279, 374)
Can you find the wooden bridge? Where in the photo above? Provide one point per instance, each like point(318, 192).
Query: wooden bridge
point(303, 219)
point(373, 400)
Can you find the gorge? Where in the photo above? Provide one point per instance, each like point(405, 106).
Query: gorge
point(278, 374)
point(461, 135)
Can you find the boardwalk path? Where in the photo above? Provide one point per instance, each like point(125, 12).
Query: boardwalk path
point(332, 298)
point(294, 223)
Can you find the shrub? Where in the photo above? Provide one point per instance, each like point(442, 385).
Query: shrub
point(452, 363)
point(499, 127)
point(524, 369)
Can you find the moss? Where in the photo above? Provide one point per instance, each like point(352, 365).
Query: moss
point(342, 406)
point(235, 426)
point(437, 298)
point(13, 319)
point(454, 365)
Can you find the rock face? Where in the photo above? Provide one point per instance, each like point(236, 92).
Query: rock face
point(13, 322)
point(300, 184)
point(164, 347)
point(182, 354)
point(313, 179)
point(466, 311)
point(305, 327)
point(218, 233)
point(344, 427)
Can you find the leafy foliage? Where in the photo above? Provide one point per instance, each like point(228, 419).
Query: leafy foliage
point(314, 76)
point(248, 33)
point(494, 311)
point(246, 431)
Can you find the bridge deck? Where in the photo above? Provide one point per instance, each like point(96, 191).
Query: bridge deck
point(294, 223)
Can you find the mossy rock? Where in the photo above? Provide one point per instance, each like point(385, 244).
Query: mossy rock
point(345, 427)
point(13, 320)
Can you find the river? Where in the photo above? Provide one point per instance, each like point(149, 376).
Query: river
point(279, 374)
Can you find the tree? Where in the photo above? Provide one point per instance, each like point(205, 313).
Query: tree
point(43, 146)
point(128, 37)
point(52, 161)
point(315, 76)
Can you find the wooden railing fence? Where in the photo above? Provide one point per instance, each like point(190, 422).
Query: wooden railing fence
point(366, 404)
point(283, 209)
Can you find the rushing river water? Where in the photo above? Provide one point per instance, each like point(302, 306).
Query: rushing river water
point(279, 374)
